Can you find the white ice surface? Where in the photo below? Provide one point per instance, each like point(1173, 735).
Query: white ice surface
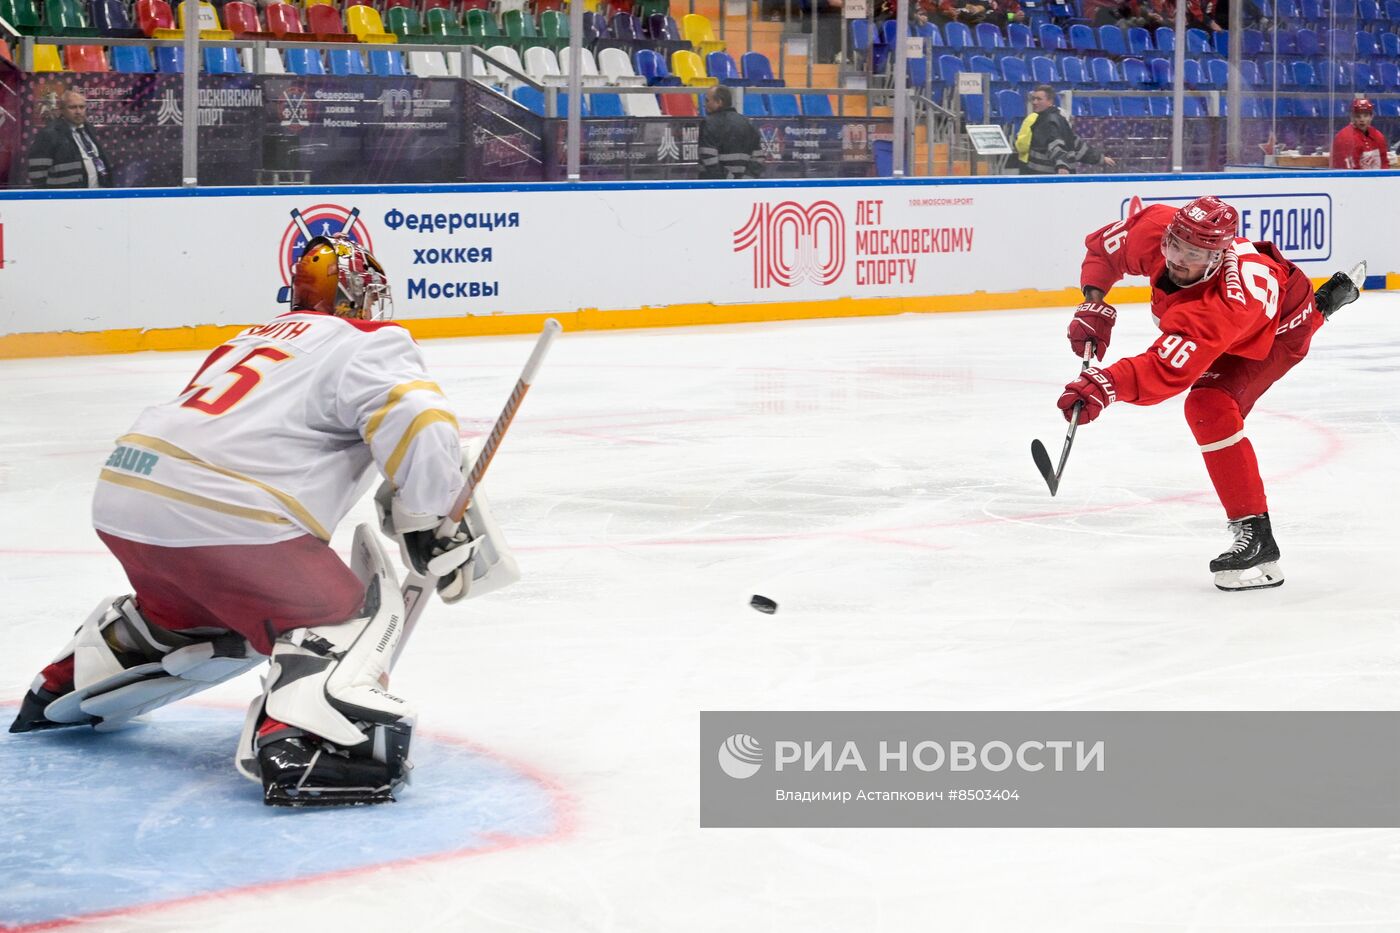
point(873, 477)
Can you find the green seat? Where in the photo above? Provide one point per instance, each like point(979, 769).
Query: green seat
point(23, 15)
point(443, 27)
point(554, 25)
point(644, 8)
point(519, 24)
point(404, 22)
point(482, 25)
point(65, 19)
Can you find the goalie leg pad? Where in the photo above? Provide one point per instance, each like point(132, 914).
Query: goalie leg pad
point(122, 667)
point(325, 732)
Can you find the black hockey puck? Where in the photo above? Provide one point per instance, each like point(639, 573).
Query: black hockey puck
point(763, 604)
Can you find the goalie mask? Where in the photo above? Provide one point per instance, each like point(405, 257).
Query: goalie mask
point(336, 275)
point(1195, 241)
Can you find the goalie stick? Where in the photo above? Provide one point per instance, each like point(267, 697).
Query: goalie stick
point(417, 587)
point(1041, 456)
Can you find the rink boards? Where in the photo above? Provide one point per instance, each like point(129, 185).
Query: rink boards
point(117, 271)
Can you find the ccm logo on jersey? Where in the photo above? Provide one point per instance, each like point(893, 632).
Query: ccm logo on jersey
point(1297, 319)
point(132, 460)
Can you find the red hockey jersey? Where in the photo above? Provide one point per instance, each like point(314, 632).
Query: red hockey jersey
point(1352, 148)
point(1234, 311)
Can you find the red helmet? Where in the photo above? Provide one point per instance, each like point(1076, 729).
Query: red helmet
point(1362, 105)
point(336, 275)
point(1206, 223)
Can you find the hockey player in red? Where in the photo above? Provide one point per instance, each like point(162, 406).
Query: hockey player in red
point(1235, 316)
point(220, 504)
point(1359, 144)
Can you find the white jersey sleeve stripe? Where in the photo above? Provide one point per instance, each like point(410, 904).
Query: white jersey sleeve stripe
point(422, 420)
point(396, 395)
point(302, 514)
point(189, 498)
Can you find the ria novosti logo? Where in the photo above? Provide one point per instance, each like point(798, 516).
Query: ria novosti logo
point(740, 756)
point(793, 243)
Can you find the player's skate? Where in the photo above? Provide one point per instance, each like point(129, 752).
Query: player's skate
point(1251, 563)
point(324, 733)
point(1340, 290)
point(119, 666)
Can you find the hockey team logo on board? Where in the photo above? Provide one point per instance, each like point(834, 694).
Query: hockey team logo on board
point(294, 108)
point(793, 244)
point(741, 756)
point(319, 220)
point(1299, 224)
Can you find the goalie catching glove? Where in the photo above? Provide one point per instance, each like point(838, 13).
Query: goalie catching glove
point(471, 560)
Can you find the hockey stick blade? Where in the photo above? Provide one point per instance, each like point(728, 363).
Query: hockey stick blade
point(1358, 274)
point(1041, 456)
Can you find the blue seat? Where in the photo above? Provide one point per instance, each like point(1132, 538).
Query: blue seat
point(1387, 71)
point(1341, 42)
point(1162, 71)
point(1344, 10)
point(1277, 73)
point(1014, 70)
point(221, 61)
point(1218, 70)
point(1166, 38)
point(1018, 36)
point(1220, 42)
point(1043, 69)
point(561, 103)
point(1160, 105)
point(1307, 43)
point(1135, 73)
point(110, 18)
point(1364, 78)
point(983, 64)
point(1286, 42)
point(958, 36)
point(1133, 107)
point(1252, 42)
point(1307, 107)
point(917, 71)
point(1388, 107)
point(529, 98)
point(652, 66)
point(974, 109)
point(132, 59)
point(1390, 43)
point(1310, 10)
point(1104, 72)
point(1053, 37)
point(1342, 74)
point(1194, 106)
point(860, 40)
point(989, 36)
point(1009, 106)
point(1112, 41)
point(758, 71)
point(1392, 10)
point(1287, 10)
point(303, 62)
point(948, 68)
point(930, 32)
point(170, 59)
point(784, 105)
point(387, 63)
point(1249, 73)
point(1195, 77)
point(1197, 42)
point(816, 105)
point(754, 105)
point(1080, 107)
point(1073, 71)
point(721, 65)
point(347, 62)
point(1368, 11)
point(1082, 37)
point(1139, 40)
point(606, 105)
point(1103, 107)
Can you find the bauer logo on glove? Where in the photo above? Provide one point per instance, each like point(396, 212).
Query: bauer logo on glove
point(1093, 391)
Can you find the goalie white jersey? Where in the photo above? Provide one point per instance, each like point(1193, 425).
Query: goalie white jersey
point(274, 436)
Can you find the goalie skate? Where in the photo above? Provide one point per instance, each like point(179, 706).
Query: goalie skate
point(1251, 562)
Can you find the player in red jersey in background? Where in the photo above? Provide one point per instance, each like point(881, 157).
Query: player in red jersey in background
point(1359, 144)
point(1235, 316)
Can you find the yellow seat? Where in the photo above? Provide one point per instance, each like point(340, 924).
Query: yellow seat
point(698, 32)
point(687, 66)
point(367, 25)
point(311, 3)
point(46, 58)
point(209, 25)
point(590, 6)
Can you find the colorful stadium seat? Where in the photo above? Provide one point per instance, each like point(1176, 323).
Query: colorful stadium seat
point(696, 30)
point(283, 20)
point(132, 59)
point(588, 66)
point(170, 59)
point(720, 65)
point(783, 105)
point(366, 25)
point(346, 62)
point(242, 20)
point(90, 58)
point(304, 62)
point(209, 25)
point(816, 105)
point(687, 66)
point(1053, 37)
point(1112, 40)
point(323, 21)
point(758, 71)
point(222, 61)
point(605, 105)
point(754, 105)
point(652, 66)
point(1081, 37)
point(387, 63)
point(617, 69)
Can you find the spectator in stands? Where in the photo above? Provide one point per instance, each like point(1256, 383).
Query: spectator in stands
point(730, 147)
point(65, 154)
point(1054, 149)
point(968, 12)
point(1360, 145)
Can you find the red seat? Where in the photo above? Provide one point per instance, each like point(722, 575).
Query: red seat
point(678, 105)
point(465, 5)
point(242, 19)
point(324, 22)
point(152, 15)
point(544, 6)
point(283, 19)
point(85, 58)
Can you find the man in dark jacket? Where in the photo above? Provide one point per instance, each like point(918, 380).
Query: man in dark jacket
point(730, 147)
point(65, 154)
point(1054, 147)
